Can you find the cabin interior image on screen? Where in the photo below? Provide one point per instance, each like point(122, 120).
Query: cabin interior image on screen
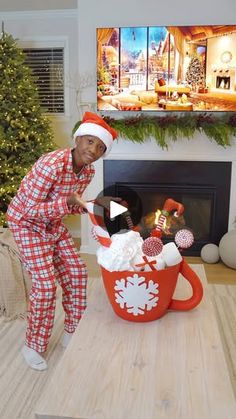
point(167, 68)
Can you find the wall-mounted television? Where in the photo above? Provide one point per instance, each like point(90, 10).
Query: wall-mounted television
point(166, 68)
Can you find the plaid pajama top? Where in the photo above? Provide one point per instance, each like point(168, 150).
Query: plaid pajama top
point(40, 203)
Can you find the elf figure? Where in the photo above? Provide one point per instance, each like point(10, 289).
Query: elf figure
point(51, 190)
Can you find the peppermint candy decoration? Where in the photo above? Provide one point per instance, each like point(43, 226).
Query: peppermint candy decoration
point(152, 246)
point(184, 238)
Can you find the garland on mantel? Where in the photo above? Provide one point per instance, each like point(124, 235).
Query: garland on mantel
point(141, 128)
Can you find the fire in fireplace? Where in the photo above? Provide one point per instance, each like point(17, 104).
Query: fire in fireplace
point(202, 187)
point(222, 82)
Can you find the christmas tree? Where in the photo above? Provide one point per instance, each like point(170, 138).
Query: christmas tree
point(195, 74)
point(25, 133)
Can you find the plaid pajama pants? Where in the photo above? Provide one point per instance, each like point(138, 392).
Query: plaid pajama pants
point(50, 260)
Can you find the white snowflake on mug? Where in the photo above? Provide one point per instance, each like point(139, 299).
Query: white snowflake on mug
point(136, 294)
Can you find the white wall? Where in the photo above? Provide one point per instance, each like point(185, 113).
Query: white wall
point(149, 12)
point(16, 5)
point(216, 46)
point(219, 45)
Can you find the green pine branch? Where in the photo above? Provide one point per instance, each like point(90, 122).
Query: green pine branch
point(25, 133)
point(164, 129)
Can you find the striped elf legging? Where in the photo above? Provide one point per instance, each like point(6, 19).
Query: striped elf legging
point(48, 261)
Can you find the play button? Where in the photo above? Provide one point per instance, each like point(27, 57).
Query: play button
point(116, 209)
point(121, 215)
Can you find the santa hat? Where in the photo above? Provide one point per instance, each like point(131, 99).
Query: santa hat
point(93, 124)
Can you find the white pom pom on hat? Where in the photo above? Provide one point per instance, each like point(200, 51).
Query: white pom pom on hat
point(93, 124)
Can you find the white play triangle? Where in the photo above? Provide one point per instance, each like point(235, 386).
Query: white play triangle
point(116, 209)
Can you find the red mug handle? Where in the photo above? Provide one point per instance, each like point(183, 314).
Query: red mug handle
point(197, 288)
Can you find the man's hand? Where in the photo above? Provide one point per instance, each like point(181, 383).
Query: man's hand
point(75, 199)
point(104, 201)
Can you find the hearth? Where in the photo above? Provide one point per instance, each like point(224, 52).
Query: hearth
point(222, 82)
point(202, 187)
point(224, 79)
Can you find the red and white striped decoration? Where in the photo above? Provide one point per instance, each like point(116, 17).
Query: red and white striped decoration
point(95, 213)
point(127, 216)
point(152, 246)
point(128, 220)
point(161, 221)
point(94, 233)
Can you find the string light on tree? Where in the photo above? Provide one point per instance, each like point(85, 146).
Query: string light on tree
point(26, 133)
point(195, 73)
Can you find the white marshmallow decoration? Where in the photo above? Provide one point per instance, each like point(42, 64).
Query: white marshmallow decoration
point(138, 260)
point(160, 263)
point(120, 254)
point(170, 254)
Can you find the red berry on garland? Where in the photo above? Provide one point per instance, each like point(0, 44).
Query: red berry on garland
point(184, 238)
point(152, 246)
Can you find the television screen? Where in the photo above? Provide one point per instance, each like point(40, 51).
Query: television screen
point(166, 68)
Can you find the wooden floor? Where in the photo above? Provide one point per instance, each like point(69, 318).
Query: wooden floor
point(21, 387)
point(168, 369)
point(222, 281)
point(217, 273)
point(220, 100)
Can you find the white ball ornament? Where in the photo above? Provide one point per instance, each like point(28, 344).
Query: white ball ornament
point(210, 253)
point(227, 249)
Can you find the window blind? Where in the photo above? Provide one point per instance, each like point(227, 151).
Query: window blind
point(47, 65)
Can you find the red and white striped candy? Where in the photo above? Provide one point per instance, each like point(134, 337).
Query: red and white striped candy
point(161, 221)
point(184, 238)
point(152, 246)
point(95, 213)
point(95, 237)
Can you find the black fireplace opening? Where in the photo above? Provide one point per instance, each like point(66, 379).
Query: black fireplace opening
point(223, 82)
point(203, 188)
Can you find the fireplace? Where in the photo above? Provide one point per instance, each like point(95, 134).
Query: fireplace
point(202, 187)
point(224, 79)
point(222, 82)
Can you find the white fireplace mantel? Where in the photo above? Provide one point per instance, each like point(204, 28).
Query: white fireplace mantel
point(199, 148)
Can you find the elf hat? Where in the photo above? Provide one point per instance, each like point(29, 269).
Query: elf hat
point(93, 124)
